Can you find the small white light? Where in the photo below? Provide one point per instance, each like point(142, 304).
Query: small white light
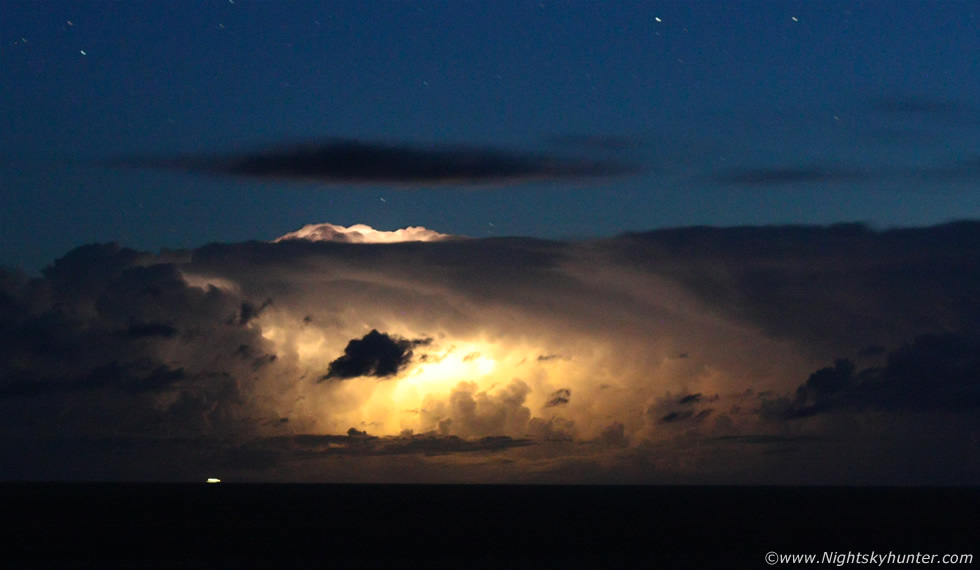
point(213, 480)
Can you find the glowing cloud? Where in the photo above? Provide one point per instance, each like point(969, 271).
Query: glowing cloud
point(696, 354)
point(361, 233)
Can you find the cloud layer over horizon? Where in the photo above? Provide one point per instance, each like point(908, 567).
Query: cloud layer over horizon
point(794, 354)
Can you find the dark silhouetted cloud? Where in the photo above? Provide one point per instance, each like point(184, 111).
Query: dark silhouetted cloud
point(249, 311)
point(547, 357)
point(138, 376)
point(376, 354)
point(436, 445)
point(676, 416)
point(688, 410)
point(357, 162)
point(691, 399)
point(933, 372)
point(686, 415)
point(361, 443)
point(558, 398)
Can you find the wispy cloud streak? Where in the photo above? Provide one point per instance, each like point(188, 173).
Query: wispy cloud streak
point(347, 161)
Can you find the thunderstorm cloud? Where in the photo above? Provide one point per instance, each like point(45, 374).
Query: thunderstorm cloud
point(836, 354)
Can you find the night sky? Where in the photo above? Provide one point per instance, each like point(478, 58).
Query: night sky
point(876, 101)
point(655, 242)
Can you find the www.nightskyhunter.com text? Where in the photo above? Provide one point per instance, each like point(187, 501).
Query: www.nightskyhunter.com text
point(874, 558)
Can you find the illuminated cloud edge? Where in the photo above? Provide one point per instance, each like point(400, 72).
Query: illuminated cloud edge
point(362, 233)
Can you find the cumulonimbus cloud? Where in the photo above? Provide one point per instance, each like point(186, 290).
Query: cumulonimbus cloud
point(468, 352)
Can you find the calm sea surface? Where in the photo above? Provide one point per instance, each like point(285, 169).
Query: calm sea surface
point(472, 526)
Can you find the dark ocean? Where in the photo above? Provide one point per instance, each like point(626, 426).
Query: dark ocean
point(468, 526)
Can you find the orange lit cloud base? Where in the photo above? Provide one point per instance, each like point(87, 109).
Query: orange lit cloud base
point(784, 354)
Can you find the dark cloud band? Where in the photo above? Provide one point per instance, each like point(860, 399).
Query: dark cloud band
point(357, 162)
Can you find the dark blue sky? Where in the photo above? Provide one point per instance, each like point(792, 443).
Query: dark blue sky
point(738, 113)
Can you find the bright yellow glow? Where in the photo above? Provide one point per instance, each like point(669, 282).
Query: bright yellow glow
point(462, 362)
point(440, 373)
point(361, 233)
point(309, 345)
point(213, 480)
point(275, 334)
point(388, 406)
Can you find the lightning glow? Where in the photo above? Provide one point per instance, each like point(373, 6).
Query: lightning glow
point(362, 233)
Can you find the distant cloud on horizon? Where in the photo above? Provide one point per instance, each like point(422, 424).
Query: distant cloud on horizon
point(967, 168)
